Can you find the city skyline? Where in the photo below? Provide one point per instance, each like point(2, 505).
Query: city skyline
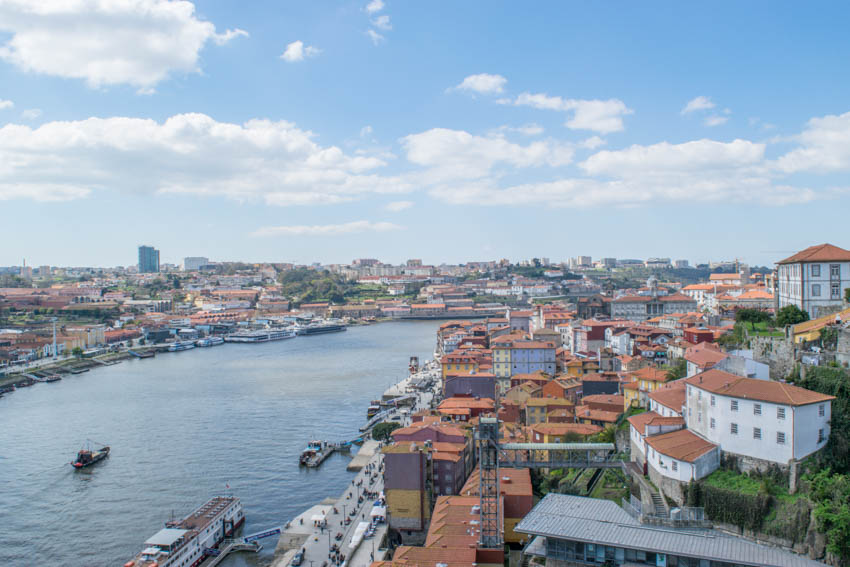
point(299, 133)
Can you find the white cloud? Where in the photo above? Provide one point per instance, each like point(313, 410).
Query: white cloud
point(4, 104)
point(482, 83)
point(602, 116)
point(825, 146)
point(375, 6)
point(376, 38)
point(592, 143)
point(397, 206)
point(715, 120)
point(297, 51)
point(276, 162)
point(699, 103)
point(531, 129)
point(382, 22)
point(134, 42)
point(456, 154)
point(701, 171)
point(326, 229)
point(31, 113)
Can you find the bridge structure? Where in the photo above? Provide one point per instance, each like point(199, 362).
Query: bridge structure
point(492, 454)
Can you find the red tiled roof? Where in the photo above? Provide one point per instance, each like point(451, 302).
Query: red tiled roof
point(819, 253)
point(725, 384)
point(681, 445)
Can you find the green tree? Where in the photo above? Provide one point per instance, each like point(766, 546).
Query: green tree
point(791, 315)
point(77, 351)
point(752, 316)
point(679, 369)
point(382, 431)
point(847, 295)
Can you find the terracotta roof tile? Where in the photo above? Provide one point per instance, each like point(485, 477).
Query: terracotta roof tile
point(725, 384)
point(681, 445)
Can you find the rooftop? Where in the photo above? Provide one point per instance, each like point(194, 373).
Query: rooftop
point(819, 253)
point(594, 520)
point(725, 384)
point(681, 445)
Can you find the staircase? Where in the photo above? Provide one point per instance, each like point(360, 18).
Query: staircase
point(658, 502)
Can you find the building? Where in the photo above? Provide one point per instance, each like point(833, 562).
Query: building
point(194, 263)
point(148, 260)
point(814, 279)
point(570, 531)
point(761, 421)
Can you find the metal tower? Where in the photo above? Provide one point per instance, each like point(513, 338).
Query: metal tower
point(488, 482)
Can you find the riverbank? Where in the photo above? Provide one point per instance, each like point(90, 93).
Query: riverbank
point(306, 531)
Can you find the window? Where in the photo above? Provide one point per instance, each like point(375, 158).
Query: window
point(780, 413)
point(780, 438)
point(675, 465)
point(734, 429)
point(756, 432)
point(834, 271)
point(699, 394)
point(699, 417)
point(734, 405)
point(821, 436)
point(815, 270)
point(815, 290)
point(836, 291)
point(822, 410)
point(756, 409)
point(712, 401)
point(712, 423)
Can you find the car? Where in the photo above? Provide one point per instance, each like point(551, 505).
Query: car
point(298, 559)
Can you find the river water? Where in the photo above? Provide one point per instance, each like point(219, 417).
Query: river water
point(182, 426)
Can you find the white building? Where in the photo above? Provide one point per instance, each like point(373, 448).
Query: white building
point(758, 419)
point(814, 278)
point(194, 263)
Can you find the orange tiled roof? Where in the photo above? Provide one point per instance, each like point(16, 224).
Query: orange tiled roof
point(819, 253)
point(725, 384)
point(681, 445)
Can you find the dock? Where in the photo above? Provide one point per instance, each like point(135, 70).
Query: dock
point(227, 547)
point(363, 456)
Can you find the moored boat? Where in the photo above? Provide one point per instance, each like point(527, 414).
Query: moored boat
point(260, 336)
point(181, 345)
point(210, 341)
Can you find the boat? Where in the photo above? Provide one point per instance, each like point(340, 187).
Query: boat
point(315, 452)
point(373, 409)
point(320, 328)
point(181, 345)
point(210, 341)
point(260, 336)
point(189, 541)
point(52, 378)
point(88, 456)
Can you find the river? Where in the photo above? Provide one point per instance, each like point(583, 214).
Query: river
point(182, 426)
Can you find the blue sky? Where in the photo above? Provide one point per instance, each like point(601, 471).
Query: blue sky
point(448, 131)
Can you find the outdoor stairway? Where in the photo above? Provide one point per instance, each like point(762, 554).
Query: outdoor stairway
point(658, 502)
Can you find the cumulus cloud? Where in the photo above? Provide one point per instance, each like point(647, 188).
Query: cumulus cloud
point(326, 229)
point(297, 51)
point(824, 146)
point(715, 120)
point(397, 206)
point(456, 154)
point(6, 104)
point(382, 22)
point(31, 113)
point(375, 6)
point(276, 162)
point(482, 83)
point(138, 42)
point(698, 103)
point(376, 38)
point(603, 116)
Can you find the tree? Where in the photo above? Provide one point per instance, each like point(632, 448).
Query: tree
point(382, 431)
point(847, 295)
point(678, 369)
point(752, 316)
point(791, 315)
point(77, 351)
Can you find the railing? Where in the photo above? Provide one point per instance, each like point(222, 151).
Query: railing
point(684, 517)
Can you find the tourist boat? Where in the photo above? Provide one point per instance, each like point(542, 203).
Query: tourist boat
point(88, 456)
point(320, 328)
point(374, 408)
point(210, 341)
point(315, 453)
point(181, 345)
point(260, 336)
point(189, 541)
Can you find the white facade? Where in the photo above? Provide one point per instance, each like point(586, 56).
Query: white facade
point(811, 286)
point(663, 410)
point(758, 429)
point(683, 471)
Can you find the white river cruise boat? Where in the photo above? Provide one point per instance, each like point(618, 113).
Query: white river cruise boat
point(185, 542)
point(260, 336)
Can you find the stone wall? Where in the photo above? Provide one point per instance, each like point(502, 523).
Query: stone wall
point(842, 352)
point(778, 353)
point(669, 487)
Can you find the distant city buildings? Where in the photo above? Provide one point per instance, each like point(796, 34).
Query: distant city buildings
point(194, 263)
point(148, 260)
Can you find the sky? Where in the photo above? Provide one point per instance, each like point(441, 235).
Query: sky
point(325, 131)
